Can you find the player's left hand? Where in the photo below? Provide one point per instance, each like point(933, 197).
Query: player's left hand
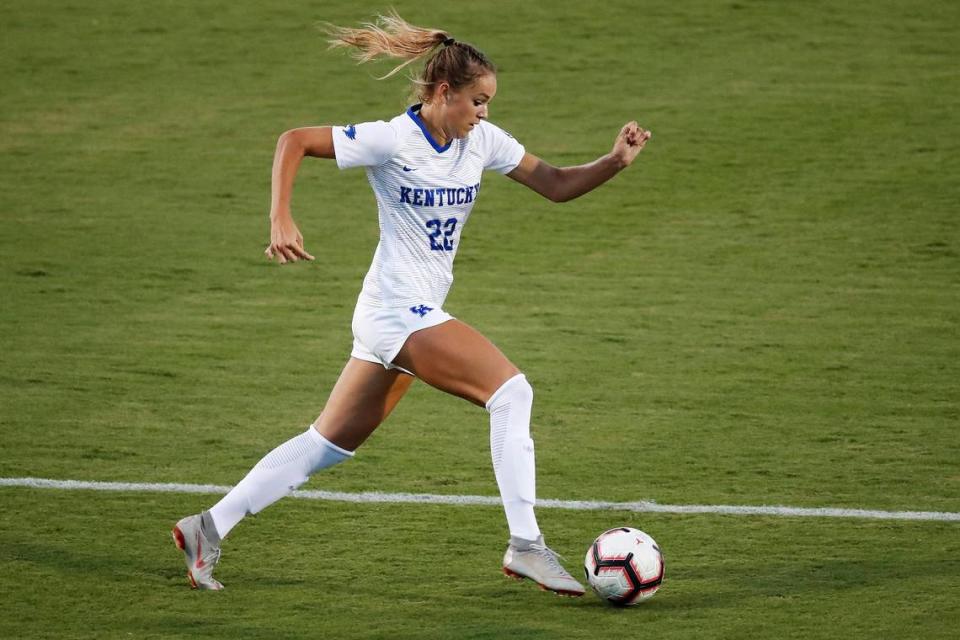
point(629, 142)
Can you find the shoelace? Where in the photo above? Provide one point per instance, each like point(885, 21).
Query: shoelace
point(551, 557)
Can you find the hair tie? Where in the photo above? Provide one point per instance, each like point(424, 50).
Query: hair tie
point(448, 42)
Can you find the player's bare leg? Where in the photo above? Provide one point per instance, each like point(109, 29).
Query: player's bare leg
point(362, 398)
point(458, 359)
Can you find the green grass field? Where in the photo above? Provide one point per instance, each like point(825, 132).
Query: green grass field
point(763, 310)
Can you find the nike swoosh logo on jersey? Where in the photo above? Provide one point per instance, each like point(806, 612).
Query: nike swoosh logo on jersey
point(406, 168)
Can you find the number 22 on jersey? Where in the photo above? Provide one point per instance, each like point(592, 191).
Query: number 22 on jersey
point(441, 228)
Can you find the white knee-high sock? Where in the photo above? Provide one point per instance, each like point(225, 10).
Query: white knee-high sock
point(276, 475)
point(512, 450)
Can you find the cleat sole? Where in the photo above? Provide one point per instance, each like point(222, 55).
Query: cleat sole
point(560, 592)
point(181, 544)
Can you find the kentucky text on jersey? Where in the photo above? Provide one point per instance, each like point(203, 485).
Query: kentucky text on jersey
point(439, 196)
point(425, 193)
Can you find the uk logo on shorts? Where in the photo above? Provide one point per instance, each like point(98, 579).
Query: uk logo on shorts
point(422, 310)
point(351, 132)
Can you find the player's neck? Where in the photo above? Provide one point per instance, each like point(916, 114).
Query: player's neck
point(428, 115)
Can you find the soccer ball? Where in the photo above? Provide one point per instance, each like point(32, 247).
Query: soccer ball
point(624, 566)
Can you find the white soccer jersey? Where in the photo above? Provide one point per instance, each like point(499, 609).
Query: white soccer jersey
point(424, 196)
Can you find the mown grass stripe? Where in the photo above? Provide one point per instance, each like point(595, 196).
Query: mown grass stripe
point(430, 498)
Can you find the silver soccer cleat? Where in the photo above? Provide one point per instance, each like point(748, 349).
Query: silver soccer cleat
point(538, 562)
point(200, 554)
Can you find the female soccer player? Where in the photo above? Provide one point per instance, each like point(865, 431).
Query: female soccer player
point(425, 168)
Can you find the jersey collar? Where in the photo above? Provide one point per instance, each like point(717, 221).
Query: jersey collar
point(414, 113)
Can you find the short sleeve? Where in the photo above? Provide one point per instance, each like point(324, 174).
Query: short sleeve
point(367, 144)
point(504, 153)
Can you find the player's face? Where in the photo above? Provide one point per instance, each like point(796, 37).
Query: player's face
point(468, 106)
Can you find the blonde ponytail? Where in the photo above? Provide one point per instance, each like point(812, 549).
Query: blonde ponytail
point(390, 36)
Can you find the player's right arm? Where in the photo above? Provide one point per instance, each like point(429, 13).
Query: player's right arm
point(286, 242)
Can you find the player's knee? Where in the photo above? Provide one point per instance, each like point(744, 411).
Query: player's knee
point(524, 389)
point(516, 391)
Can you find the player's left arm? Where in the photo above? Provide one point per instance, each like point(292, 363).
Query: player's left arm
point(560, 184)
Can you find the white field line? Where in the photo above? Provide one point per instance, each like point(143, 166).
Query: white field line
point(642, 506)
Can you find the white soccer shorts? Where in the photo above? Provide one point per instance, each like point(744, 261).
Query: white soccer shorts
point(380, 332)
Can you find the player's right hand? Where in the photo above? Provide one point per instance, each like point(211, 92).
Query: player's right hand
point(286, 241)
